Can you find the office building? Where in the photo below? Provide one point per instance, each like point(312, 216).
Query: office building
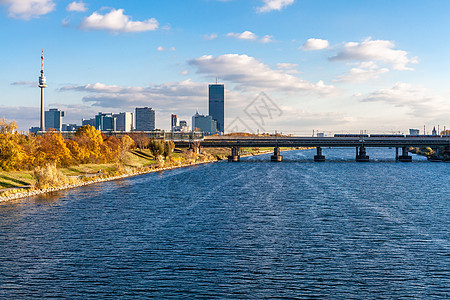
point(204, 123)
point(217, 104)
point(53, 119)
point(70, 127)
point(173, 122)
point(414, 132)
point(105, 122)
point(90, 122)
point(182, 127)
point(145, 119)
point(124, 121)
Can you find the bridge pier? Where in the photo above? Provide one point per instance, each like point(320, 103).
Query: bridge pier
point(361, 155)
point(234, 157)
point(405, 157)
point(396, 153)
point(319, 156)
point(276, 155)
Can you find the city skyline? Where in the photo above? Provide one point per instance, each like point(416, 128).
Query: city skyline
point(376, 66)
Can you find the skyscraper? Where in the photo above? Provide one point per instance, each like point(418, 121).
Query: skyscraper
point(217, 104)
point(124, 121)
point(53, 119)
point(145, 119)
point(173, 122)
point(105, 122)
point(203, 123)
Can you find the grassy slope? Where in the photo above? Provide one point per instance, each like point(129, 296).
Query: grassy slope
point(134, 159)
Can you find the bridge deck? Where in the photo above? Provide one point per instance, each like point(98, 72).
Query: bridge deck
point(225, 141)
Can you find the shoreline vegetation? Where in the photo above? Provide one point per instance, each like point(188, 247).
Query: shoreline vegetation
point(36, 164)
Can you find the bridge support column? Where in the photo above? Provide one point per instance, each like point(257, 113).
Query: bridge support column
point(276, 155)
point(319, 156)
point(446, 153)
point(361, 155)
point(234, 157)
point(396, 153)
point(405, 157)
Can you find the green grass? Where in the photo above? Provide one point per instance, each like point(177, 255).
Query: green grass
point(15, 179)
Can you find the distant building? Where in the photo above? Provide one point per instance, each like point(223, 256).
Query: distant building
point(204, 123)
point(70, 127)
point(105, 122)
point(217, 104)
point(173, 122)
point(414, 132)
point(90, 122)
point(34, 129)
point(53, 119)
point(434, 132)
point(320, 134)
point(124, 121)
point(183, 127)
point(145, 119)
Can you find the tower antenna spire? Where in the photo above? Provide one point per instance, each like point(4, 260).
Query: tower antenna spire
point(42, 60)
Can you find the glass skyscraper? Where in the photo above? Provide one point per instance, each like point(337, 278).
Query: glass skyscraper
point(217, 104)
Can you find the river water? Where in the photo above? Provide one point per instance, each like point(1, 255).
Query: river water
point(254, 229)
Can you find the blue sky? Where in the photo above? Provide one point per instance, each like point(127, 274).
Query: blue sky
point(328, 65)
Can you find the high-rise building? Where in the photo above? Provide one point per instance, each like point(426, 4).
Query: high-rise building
point(204, 123)
point(124, 121)
point(53, 119)
point(105, 122)
point(145, 119)
point(173, 122)
point(217, 104)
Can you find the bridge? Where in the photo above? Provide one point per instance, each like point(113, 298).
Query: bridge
point(360, 143)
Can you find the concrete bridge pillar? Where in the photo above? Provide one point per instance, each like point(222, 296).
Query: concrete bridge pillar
point(405, 157)
point(319, 156)
point(234, 157)
point(276, 155)
point(361, 155)
point(396, 153)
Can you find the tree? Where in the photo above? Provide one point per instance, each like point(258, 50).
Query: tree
point(157, 147)
point(52, 148)
point(168, 148)
point(91, 139)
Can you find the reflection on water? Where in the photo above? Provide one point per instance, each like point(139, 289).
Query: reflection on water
point(338, 229)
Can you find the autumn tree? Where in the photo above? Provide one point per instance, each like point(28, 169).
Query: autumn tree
point(168, 148)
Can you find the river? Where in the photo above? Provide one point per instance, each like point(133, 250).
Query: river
point(254, 229)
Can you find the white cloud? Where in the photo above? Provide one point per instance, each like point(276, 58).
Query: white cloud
point(28, 83)
point(249, 74)
point(174, 95)
point(250, 36)
point(365, 71)
point(246, 35)
point(420, 101)
point(315, 44)
point(376, 50)
point(266, 39)
point(211, 36)
point(161, 48)
point(27, 9)
point(115, 21)
point(270, 5)
point(76, 6)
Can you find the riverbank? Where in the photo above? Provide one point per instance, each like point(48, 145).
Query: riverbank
point(79, 178)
